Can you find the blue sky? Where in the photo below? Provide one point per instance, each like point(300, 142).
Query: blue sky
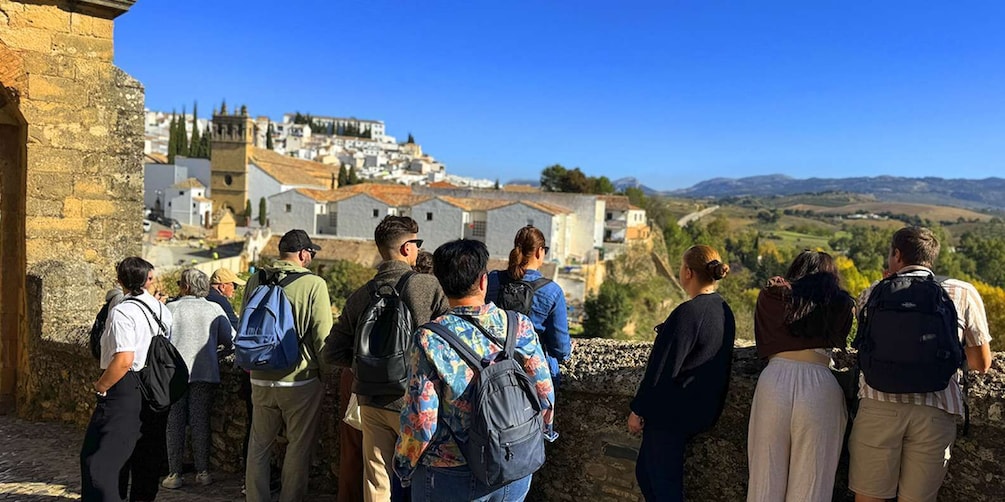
point(671, 92)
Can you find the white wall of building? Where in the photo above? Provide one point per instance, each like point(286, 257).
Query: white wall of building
point(198, 169)
point(158, 179)
point(503, 223)
point(292, 209)
point(439, 222)
point(183, 207)
point(359, 215)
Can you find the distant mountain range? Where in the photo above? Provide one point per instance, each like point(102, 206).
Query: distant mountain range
point(968, 193)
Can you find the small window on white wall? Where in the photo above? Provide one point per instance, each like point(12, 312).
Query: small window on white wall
point(289, 208)
point(429, 216)
point(376, 213)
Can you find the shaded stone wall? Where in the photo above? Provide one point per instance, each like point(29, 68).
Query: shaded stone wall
point(594, 457)
point(84, 183)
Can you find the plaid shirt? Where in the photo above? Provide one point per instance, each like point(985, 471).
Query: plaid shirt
point(973, 331)
point(437, 400)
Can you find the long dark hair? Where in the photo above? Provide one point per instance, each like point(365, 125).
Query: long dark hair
point(815, 282)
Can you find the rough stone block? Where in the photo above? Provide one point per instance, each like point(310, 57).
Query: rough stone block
point(39, 207)
point(92, 188)
point(73, 208)
point(99, 208)
point(48, 186)
point(44, 64)
point(56, 160)
point(28, 39)
point(55, 228)
point(91, 26)
point(46, 17)
point(96, 73)
point(79, 46)
point(56, 89)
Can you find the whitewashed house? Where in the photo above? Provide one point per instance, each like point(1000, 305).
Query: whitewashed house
point(502, 224)
point(188, 203)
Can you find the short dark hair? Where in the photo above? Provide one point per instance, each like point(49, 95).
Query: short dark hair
point(917, 246)
point(132, 273)
point(424, 262)
point(391, 229)
point(459, 265)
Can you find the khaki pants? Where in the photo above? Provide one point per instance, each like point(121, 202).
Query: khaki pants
point(298, 409)
point(380, 433)
point(899, 450)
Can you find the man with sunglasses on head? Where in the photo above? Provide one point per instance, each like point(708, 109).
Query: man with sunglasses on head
point(380, 403)
point(292, 397)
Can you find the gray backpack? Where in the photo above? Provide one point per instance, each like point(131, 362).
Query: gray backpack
point(506, 437)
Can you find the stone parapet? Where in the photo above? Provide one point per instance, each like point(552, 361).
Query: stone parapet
point(594, 457)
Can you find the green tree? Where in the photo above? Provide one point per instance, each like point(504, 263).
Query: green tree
point(262, 210)
point(553, 178)
point(172, 138)
point(247, 210)
point(343, 176)
point(196, 141)
point(182, 140)
point(268, 138)
point(352, 178)
point(575, 181)
point(497, 187)
point(602, 185)
point(867, 246)
point(608, 311)
point(343, 278)
point(411, 140)
point(984, 250)
point(207, 142)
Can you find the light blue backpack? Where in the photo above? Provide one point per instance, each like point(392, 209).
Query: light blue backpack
point(267, 338)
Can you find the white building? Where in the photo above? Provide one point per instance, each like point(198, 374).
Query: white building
point(187, 203)
point(504, 222)
point(314, 211)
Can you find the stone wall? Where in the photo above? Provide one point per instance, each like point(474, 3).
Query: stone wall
point(594, 457)
point(83, 187)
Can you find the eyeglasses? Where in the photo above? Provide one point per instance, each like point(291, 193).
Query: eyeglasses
point(546, 249)
point(417, 242)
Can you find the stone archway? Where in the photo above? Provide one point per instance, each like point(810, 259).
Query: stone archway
point(13, 176)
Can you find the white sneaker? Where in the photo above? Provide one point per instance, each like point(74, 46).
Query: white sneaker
point(203, 478)
point(173, 481)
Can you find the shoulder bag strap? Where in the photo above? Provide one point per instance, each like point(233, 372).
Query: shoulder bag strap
point(469, 356)
point(291, 277)
point(539, 283)
point(163, 329)
point(512, 326)
point(400, 286)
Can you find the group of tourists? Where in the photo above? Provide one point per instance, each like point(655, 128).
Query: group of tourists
point(450, 374)
point(918, 335)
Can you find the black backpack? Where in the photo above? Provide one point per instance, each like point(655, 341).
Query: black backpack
point(164, 379)
point(383, 338)
point(517, 295)
point(908, 339)
point(506, 437)
point(98, 329)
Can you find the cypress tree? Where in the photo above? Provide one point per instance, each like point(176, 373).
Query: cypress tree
point(268, 138)
point(182, 136)
point(247, 209)
point(343, 176)
point(262, 208)
point(207, 142)
point(411, 140)
point(172, 138)
point(353, 179)
point(194, 144)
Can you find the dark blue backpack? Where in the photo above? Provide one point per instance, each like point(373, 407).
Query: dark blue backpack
point(267, 338)
point(908, 339)
point(506, 436)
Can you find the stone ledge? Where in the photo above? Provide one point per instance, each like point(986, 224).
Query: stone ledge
point(108, 9)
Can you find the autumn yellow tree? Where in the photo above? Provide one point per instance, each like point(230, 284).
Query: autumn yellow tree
point(994, 305)
point(854, 280)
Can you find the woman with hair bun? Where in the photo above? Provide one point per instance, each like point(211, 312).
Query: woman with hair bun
point(684, 387)
point(545, 303)
point(798, 415)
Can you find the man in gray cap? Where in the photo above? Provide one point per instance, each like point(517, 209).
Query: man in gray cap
point(290, 397)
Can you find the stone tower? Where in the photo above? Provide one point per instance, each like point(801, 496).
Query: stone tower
point(233, 139)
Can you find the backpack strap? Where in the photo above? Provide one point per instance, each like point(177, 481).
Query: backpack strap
point(539, 283)
point(400, 286)
point(469, 356)
point(512, 323)
point(151, 311)
point(289, 278)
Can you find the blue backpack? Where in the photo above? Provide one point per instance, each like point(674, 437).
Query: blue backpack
point(267, 338)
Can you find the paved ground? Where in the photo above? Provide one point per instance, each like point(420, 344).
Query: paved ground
point(39, 463)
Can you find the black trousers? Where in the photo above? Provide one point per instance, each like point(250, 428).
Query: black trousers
point(149, 459)
point(660, 466)
point(110, 440)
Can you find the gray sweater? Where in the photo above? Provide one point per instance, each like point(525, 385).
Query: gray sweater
point(199, 326)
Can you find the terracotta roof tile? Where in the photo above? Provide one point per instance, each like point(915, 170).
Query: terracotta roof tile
point(392, 195)
point(615, 202)
point(201, 199)
point(547, 208)
point(472, 204)
point(189, 183)
point(520, 188)
point(292, 171)
point(324, 195)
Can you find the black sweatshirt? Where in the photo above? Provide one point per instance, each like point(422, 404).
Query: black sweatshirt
point(684, 388)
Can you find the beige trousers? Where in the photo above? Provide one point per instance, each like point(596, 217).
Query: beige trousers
point(380, 433)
